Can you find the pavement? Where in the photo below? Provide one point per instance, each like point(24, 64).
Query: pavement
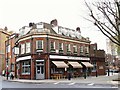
point(89, 80)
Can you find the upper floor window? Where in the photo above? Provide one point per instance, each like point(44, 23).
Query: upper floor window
point(52, 45)
point(60, 46)
point(8, 48)
point(68, 47)
point(75, 49)
point(86, 49)
point(22, 48)
point(28, 47)
point(39, 44)
point(81, 49)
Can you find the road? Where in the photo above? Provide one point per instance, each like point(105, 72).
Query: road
point(8, 85)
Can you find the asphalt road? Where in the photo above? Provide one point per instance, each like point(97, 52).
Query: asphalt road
point(6, 85)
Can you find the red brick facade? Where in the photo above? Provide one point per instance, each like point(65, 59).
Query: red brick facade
point(39, 50)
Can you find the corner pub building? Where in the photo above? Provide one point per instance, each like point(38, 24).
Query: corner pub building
point(49, 51)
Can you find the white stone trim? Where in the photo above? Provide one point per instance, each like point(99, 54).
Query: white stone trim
point(59, 38)
point(23, 58)
point(68, 57)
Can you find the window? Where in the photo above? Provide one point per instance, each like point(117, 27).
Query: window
point(22, 48)
point(12, 66)
point(75, 49)
point(52, 45)
point(81, 49)
point(28, 47)
point(68, 47)
point(39, 44)
point(26, 67)
point(86, 49)
point(94, 66)
point(8, 48)
point(60, 46)
point(13, 53)
point(94, 48)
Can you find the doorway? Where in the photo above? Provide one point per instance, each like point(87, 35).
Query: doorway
point(40, 69)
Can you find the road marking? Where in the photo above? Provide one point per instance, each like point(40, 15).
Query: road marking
point(71, 83)
point(91, 84)
point(56, 83)
point(114, 87)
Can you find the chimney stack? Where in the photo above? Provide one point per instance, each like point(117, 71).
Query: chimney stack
point(54, 22)
point(78, 29)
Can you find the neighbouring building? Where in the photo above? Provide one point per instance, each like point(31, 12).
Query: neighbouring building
point(10, 57)
point(46, 51)
point(4, 33)
point(97, 58)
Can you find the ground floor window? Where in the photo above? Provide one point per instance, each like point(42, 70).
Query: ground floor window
point(26, 67)
point(94, 66)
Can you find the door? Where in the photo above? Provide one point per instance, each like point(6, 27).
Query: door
point(40, 70)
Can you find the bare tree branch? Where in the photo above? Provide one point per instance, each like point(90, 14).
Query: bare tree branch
point(110, 11)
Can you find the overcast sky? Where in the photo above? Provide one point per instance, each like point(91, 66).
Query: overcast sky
point(18, 13)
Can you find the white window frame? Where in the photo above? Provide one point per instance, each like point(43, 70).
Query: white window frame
point(41, 45)
point(8, 48)
point(28, 47)
point(22, 48)
point(61, 46)
point(87, 49)
point(69, 49)
point(24, 66)
point(53, 45)
point(81, 49)
point(75, 48)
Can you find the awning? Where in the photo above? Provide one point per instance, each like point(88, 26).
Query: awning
point(87, 64)
point(60, 64)
point(75, 64)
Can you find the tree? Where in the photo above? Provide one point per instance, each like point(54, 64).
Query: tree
point(105, 15)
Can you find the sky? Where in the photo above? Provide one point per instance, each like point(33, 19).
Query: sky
point(69, 13)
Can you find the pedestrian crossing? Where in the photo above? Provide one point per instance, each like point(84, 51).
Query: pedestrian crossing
point(84, 84)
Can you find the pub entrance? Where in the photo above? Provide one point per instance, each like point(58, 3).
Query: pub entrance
point(40, 69)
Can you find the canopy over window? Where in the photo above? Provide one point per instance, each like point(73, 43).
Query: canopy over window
point(75, 64)
point(60, 64)
point(87, 64)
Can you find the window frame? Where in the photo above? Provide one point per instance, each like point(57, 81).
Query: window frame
point(22, 48)
point(24, 66)
point(38, 46)
point(28, 48)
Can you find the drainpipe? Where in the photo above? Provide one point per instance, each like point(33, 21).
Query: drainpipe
point(31, 57)
point(47, 55)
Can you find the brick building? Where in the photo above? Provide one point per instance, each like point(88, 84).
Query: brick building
point(10, 57)
point(47, 51)
point(97, 58)
point(3, 37)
